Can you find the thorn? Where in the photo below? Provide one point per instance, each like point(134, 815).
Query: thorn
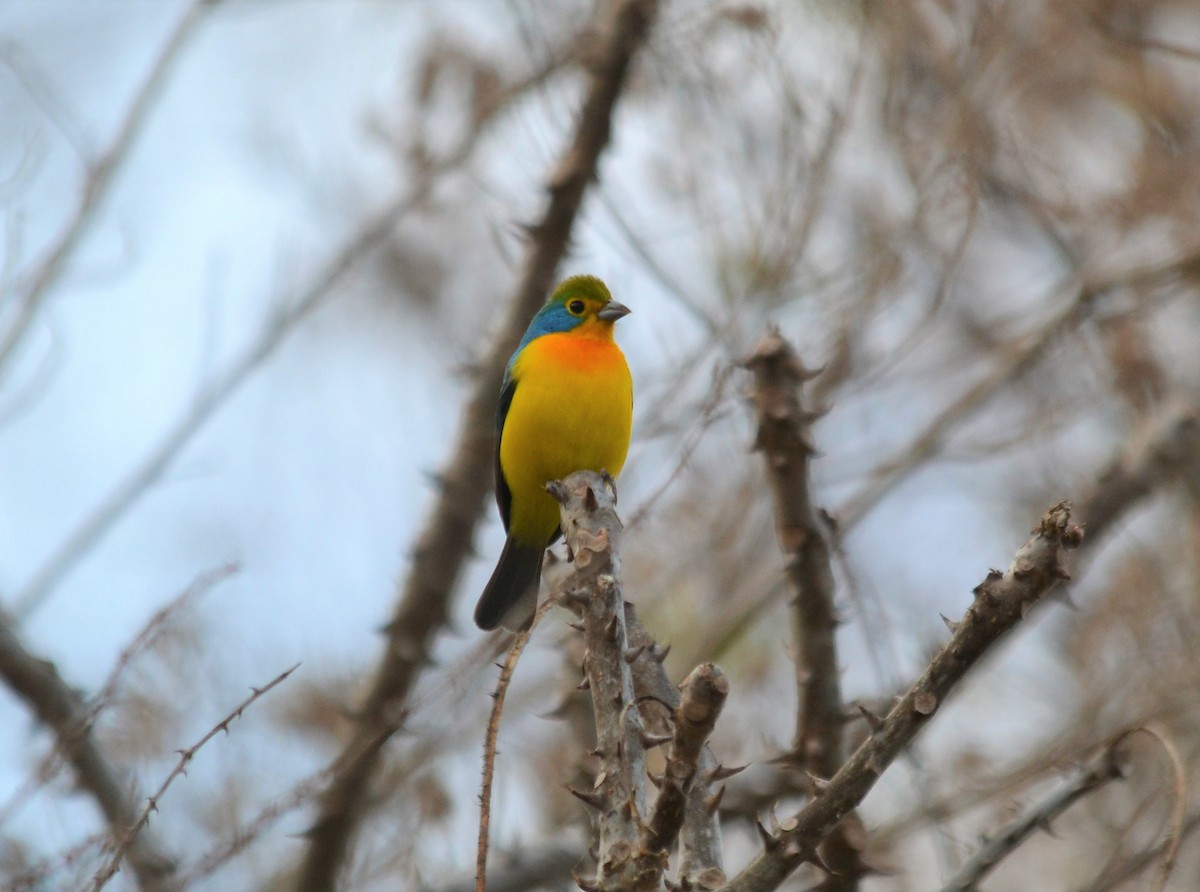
point(558, 491)
point(590, 798)
point(815, 859)
point(589, 499)
point(768, 840)
point(873, 721)
point(712, 803)
point(578, 627)
point(583, 685)
point(951, 624)
point(631, 654)
point(660, 653)
point(721, 773)
point(613, 629)
point(650, 741)
point(816, 785)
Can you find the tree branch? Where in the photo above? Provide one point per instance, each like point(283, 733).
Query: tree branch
point(130, 834)
point(704, 693)
point(1001, 601)
point(58, 706)
point(1169, 453)
point(592, 531)
point(1021, 358)
point(1105, 768)
point(444, 543)
point(783, 438)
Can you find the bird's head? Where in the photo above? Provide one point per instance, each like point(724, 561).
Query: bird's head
point(580, 302)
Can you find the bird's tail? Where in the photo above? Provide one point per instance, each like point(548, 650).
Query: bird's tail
point(510, 596)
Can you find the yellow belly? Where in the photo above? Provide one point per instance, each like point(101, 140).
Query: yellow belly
point(572, 410)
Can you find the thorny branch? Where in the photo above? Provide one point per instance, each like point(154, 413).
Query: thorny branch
point(130, 834)
point(1001, 601)
point(1105, 768)
point(804, 536)
point(90, 711)
point(59, 707)
point(703, 697)
point(507, 668)
point(444, 543)
point(623, 675)
point(700, 857)
point(592, 529)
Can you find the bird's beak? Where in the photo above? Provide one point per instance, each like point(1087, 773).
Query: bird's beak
point(613, 311)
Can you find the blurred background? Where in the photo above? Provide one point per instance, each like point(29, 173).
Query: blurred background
point(253, 251)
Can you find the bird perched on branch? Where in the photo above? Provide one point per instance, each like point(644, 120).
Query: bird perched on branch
point(566, 405)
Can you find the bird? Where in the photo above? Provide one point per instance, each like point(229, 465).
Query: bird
point(566, 405)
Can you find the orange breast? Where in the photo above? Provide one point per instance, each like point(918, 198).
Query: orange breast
point(572, 410)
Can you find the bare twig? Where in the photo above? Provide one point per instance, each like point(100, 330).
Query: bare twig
point(507, 668)
point(1100, 771)
point(1020, 359)
point(38, 683)
point(100, 173)
point(37, 876)
point(1001, 601)
point(67, 740)
point(1119, 872)
point(444, 543)
point(130, 834)
point(241, 837)
point(1179, 791)
point(1170, 452)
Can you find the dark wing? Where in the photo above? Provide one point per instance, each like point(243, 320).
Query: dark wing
point(503, 494)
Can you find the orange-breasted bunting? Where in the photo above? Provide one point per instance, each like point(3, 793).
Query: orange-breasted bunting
point(566, 405)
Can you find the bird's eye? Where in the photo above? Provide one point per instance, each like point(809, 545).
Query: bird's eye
point(576, 307)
